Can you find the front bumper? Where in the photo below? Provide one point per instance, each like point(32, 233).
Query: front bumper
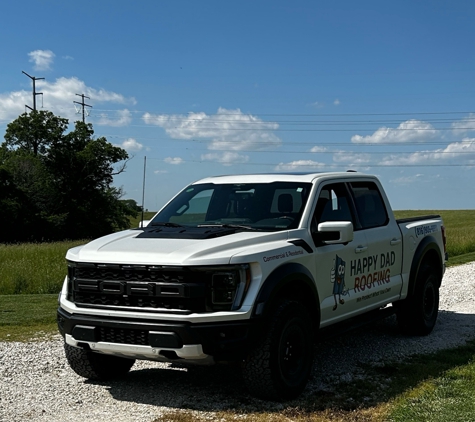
point(202, 343)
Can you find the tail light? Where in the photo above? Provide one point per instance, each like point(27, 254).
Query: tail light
point(444, 239)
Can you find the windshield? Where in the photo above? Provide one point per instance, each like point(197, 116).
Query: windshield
point(261, 206)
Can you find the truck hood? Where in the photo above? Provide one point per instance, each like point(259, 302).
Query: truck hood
point(141, 246)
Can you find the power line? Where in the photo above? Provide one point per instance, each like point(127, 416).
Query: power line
point(256, 114)
point(322, 165)
point(297, 114)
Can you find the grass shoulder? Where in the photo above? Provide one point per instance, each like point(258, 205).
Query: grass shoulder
point(26, 317)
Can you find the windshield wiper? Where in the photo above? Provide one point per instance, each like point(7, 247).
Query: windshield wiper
point(228, 226)
point(165, 224)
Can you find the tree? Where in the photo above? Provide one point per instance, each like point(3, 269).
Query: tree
point(34, 132)
point(82, 169)
point(132, 204)
point(12, 206)
point(62, 181)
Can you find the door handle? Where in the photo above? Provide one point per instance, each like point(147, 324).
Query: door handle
point(395, 242)
point(360, 249)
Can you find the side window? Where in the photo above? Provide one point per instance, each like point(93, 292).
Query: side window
point(333, 204)
point(369, 205)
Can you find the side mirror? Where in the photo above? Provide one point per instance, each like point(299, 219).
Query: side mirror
point(144, 223)
point(335, 232)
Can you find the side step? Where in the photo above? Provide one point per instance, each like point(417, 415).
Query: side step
point(355, 323)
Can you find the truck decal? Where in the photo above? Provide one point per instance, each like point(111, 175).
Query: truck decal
point(369, 280)
point(374, 294)
point(425, 230)
point(370, 263)
point(372, 270)
point(337, 277)
point(282, 255)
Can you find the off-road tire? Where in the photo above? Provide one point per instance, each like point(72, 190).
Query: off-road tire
point(96, 366)
point(417, 314)
point(279, 366)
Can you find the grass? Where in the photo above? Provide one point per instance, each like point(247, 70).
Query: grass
point(23, 317)
point(33, 268)
point(444, 396)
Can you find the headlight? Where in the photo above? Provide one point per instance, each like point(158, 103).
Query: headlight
point(228, 288)
point(71, 273)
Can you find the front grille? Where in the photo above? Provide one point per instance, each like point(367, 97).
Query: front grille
point(140, 287)
point(124, 336)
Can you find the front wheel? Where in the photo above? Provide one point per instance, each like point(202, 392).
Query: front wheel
point(96, 366)
point(417, 314)
point(280, 365)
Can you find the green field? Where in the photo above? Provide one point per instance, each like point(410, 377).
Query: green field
point(33, 268)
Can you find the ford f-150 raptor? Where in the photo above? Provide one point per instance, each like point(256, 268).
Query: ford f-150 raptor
point(250, 268)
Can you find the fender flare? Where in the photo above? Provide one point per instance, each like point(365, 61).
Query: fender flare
point(427, 245)
point(279, 281)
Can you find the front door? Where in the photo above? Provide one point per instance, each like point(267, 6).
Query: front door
point(335, 264)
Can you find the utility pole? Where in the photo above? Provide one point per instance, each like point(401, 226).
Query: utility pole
point(83, 104)
point(34, 90)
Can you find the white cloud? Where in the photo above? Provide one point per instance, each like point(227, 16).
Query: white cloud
point(131, 145)
point(58, 97)
point(173, 160)
point(226, 130)
point(318, 149)
point(352, 158)
point(318, 104)
point(408, 180)
point(408, 131)
point(13, 104)
point(160, 171)
point(227, 158)
point(455, 153)
point(300, 165)
point(336, 102)
point(465, 125)
point(42, 59)
point(117, 118)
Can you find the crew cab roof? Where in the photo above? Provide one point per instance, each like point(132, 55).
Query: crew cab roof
point(281, 177)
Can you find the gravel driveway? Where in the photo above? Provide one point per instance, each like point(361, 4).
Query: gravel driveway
point(36, 384)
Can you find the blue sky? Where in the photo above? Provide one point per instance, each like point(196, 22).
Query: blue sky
point(219, 87)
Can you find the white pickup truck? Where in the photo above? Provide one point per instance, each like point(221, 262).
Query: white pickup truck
point(251, 268)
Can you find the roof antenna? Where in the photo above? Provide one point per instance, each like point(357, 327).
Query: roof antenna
point(143, 189)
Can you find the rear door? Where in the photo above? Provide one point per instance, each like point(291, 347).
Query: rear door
point(379, 281)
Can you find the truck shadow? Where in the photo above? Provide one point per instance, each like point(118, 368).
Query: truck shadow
point(353, 371)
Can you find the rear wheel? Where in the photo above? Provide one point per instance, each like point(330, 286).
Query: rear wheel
point(96, 366)
point(279, 367)
point(417, 314)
